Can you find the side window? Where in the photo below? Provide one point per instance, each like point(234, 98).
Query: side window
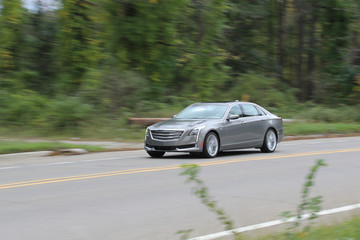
point(250, 110)
point(235, 110)
point(260, 111)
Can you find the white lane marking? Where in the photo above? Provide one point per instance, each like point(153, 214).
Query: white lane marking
point(274, 223)
point(60, 163)
point(63, 163)
point(316, 142)
point(4, 168)
point(106, 159)
point(288, 144)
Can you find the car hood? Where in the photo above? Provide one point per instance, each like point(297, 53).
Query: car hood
point(179, 124)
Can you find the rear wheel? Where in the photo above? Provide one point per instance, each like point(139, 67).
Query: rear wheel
point(156, 154)
point(270, 141)
point(211, 145)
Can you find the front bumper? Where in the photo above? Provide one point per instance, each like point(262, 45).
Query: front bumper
point(185, 143)
point(183, 148)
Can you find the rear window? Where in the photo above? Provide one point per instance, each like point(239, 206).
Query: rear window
point(250, 110)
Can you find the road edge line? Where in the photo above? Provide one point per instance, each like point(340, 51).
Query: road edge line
point(274, 223)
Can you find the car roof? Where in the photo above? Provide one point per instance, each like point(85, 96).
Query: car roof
point(223, 103)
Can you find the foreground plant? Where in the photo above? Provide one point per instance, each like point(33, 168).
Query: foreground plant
point(202, 192)
point(310, 206)
point(307, 209)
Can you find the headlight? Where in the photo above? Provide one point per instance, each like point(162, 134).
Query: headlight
point(147, 133)
point(196, 131)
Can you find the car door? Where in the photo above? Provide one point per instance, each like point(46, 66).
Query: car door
point(233, 129)
point(255, 125)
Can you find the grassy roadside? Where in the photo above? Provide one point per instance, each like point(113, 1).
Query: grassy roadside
point(308, 128)
point(22, 146)
point(347, 230)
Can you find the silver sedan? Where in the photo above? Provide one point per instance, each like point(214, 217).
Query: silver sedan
point(209, 128)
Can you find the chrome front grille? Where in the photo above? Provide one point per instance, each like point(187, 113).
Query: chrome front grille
point(166, 135)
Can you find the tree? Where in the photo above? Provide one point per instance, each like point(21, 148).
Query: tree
point(37, 56)
point(336, 70)
point(74, 48)
point(11, 18)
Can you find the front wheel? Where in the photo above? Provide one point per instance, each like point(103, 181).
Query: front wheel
point(211, 145)
point(270, 142)
point(156, 154)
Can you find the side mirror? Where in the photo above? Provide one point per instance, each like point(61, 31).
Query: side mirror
point(174, 116)
point(233, 117)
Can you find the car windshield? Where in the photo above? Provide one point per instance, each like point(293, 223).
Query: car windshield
point(203, 111)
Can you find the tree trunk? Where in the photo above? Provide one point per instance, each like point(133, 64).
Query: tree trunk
point(281, 31)
point(300, 50)
point(311, 54)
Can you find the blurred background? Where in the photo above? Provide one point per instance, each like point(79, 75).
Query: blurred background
point(83, 67)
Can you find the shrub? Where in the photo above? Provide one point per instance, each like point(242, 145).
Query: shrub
point(24, 108)
point(263, 90)
point(341, 113)
point(66, 112)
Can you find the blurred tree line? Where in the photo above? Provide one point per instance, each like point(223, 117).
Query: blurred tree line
point(104, 55)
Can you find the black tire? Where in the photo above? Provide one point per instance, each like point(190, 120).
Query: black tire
point(270, 141)
point(211, 145)
point(156, 154)
point(195, 153)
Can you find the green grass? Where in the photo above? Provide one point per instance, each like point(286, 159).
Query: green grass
point(22, 146)
point(307, 128)
point(348, 230)
point(107, 130)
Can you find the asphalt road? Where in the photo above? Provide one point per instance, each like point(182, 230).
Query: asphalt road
point(129, 196)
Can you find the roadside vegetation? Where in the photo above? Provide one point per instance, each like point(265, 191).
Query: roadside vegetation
point(310, 128)
point(70, 124)
point(80, 68)
point(347, 230)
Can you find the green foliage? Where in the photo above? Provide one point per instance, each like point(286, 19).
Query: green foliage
point(307, 205)
point(262, 90)
point(347, 230)
point(124, 89)
point(141, 36)
point(310, 128)
point(67, 113)
point(335, 114)
point(29, 109)
point(74, 43)
point(11, 17)
point(128, 57)
point(202, 192)
point(37, 52)
point(21, 109)
point(184, 234)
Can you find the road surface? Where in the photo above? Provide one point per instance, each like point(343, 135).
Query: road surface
point(130, 196)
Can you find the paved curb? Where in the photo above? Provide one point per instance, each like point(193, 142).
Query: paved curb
point(25, 154)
